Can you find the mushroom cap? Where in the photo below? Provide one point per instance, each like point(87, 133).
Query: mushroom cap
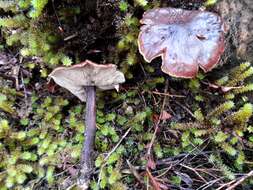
point(186, 40)
point(87, 73)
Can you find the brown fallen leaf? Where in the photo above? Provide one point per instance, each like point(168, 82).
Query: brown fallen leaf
point(151, 163)
point(165, 115)
point(153, 180)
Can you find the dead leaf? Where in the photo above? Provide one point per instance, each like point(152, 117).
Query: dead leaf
point(151, 164)
point(51, 86)
point(165, 115)
point(153, 180)
point(155, 118)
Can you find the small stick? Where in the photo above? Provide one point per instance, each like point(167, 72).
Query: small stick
point(158, 122)
point(109, 154)
point(185, 108)
point(195, 171)
point(168, 94)
point(154, 184)
point(117, 145)
point(250, 174)
point(135, 173)
point(70, 37)
point(24, 88)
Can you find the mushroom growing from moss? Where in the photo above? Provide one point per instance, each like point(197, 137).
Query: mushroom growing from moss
point(82, 80)
point(186, 40)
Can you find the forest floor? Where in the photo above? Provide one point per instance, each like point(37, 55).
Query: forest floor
point(157, 132)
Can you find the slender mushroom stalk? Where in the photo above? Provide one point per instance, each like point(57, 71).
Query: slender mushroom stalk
point(90, 131)
point(90, 123)
point(82, 81)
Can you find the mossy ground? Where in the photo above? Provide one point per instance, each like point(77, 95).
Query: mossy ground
point(158, 132)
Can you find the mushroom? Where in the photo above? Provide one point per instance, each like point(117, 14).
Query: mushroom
point(186, 40)
point(82, 80)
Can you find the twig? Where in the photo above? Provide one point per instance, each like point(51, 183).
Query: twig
point(154, 184)
point(152, 180)
point(58, 20)
point(185, 108)
point(117, 145)
point(135, 173)
point(142, 68)
point(15, 73)
point(208, 184)
point(192, 169)
point(143, 99)
point(8, 77)
point(226, 184)
point(70, 37)
point(71, 186)
point(166, 171)
point(153, 137)
point(109, 154)
point(25, 91)
point(250, 174)
point(168, 94)
point(159, 120)
point(184, 158)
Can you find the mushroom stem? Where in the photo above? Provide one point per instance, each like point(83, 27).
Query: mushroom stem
point(90, 122)
point(88, 145)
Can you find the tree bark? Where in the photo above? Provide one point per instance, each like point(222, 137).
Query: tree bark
point(87, 158)
point(238, 17)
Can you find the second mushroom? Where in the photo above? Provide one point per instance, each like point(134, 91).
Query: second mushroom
point(185, 39)
point(82, 80)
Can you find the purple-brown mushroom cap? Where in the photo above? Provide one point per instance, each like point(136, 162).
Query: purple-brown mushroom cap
point(186, 40)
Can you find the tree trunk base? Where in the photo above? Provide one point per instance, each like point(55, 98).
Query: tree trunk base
point(238, 17)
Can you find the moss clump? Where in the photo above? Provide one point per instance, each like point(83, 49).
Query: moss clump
point(24, 26)
point(225, 123)
point(241, 116)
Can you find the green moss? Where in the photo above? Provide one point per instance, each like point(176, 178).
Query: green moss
point(42, 140)
point(221, 109)
point(226, 123)
point(225, 169)
point(242, 115)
